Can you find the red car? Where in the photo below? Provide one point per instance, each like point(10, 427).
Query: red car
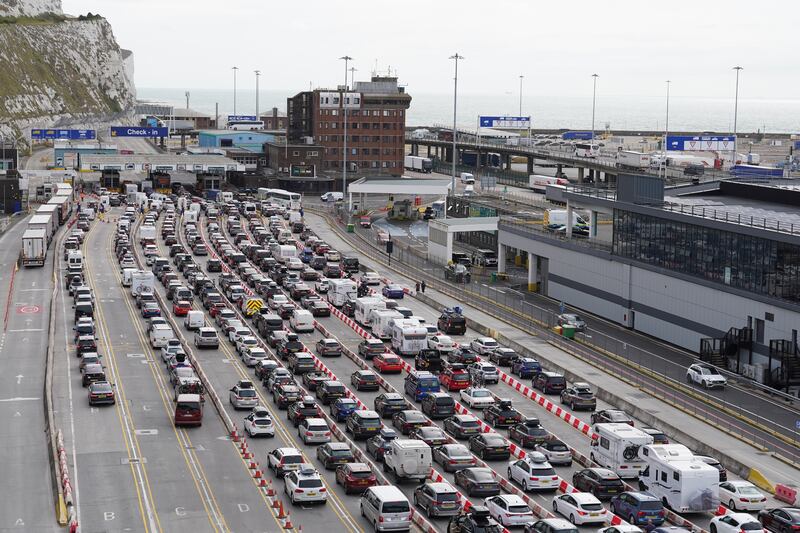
point(387, 362)
point(355, 477)
point(181, 308)
point(216, 308)
point(454, 379)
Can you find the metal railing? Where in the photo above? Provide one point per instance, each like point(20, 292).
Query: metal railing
point(771, 224)
point(533, 226)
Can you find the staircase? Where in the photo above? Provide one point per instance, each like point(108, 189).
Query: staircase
point(788, 353)
point(717, 350)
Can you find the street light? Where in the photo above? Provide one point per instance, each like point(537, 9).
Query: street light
point(520, 94)
point(234, 88)
point(666, 132)
point(736, 113)
point(455, 57)
point(258, 73)
point(594, 100)
point(344, 117)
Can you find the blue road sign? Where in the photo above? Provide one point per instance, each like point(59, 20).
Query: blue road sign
point(243, 118)
point(520, 123)
point(52, 133)
point(701, 143)
point(137, 131)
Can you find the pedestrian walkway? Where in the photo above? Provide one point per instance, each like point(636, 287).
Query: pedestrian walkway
point(704, 439)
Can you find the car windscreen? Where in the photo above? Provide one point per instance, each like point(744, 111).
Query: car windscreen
point(395, 507)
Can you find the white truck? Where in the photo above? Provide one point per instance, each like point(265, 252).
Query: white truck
point(628, 159)
point(34, 247)
point(147, 234)
point(420, 164)
point(160, 335)
point(382, 321)
point(341, 290)
point(142, 280)
point(46, 222)
point(539, 182)
point(681, 481)
point(189, 217)
point(617, 448)
point(408, 459)
point(364, 307)
point(558, 217)
point(409, 337)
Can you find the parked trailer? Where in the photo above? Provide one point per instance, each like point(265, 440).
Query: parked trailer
point(539, 183)
point(421, 164)
point(64, 204)
point(45, 222)
point(755, 170)
point(628, 159)
point(34, 247)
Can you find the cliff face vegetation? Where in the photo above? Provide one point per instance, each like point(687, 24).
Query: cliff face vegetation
point(60, 71)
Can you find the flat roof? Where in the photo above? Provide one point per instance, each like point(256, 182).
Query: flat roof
point(219, 132)
point(458, 225)
point(156, 159)
point(736, 207)
point(388, 185)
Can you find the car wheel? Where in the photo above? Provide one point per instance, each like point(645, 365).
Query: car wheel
point(631, 520)
point(361, 507)
point(689, 379)
point(732, 505)
point(555, 507)
point(525, 485)
point(713, 528)
point(706, 384)
point(572, 405)
point(572, 518)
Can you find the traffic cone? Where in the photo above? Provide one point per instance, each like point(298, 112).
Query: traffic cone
point(253, 465)
point(288, 523)
point(276, 503)
point(261, 481)
point(234, 435)
point(281, 512)
point(270, 490)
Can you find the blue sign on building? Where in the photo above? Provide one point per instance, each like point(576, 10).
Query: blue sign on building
point(72, 135)
point(701, 143)
point(137, 131)
point(517, 123)
point(242, 118)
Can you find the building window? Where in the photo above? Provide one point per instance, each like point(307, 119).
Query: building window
point(334, 125)
point(354, 151)
point(374, 164)
point(335, 112)
point(313, 153)
point(335, 100)
point(296, 153)
point(334, 151)
point(365, 151)
point(385, 164)
point(357, 100)
point(385, 112)
point(376, 151)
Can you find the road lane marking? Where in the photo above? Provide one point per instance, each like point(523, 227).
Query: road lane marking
point(19, 399)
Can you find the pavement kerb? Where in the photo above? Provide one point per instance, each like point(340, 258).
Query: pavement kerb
point(730, 462)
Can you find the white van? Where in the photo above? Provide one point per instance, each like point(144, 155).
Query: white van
point(127, 276)
point(302, 321)
point(75, 259)
point(386, 508)
point(194, 320)
point(332, 197)
point(467, 178)
point(408, 459)
point(160, 335)
point(469, 190)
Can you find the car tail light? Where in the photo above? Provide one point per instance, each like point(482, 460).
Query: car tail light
point(323, 489)
point(744, 500)
point(554, 478)
point(534, 479)
point(298, 491)
point(582, 513)
point(452, 461)
point(327, 433)
point(380, 519)
point(641, 513)
point(309, 434)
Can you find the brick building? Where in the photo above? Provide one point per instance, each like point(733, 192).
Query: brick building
point(376, 118)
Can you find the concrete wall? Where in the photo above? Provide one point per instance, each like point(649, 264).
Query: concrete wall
point(669, 308)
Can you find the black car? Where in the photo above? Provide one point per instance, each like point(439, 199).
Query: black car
point(780, 520)
point(305, 408)
point(579, 396)
point(502, 414)
point(611, 416)
point(389, 403)
point(333, 454)
point(349, 308)
point(477, 481)
point(462, 426)
point(291, 344)
point(377, 445)
point(502, 356)
point(430, 360)
point(329, 391)
point(490, 446)
point(409, 419)
point(312, 379)
point(463, 356)
point(601, 482)
point(319, 308)
point(476, 519)
point(214, 265)
point(528, 433)
point(369, 348)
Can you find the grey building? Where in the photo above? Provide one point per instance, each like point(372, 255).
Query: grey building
point(715, 270)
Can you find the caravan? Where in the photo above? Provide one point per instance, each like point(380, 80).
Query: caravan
point(382, 321)
point(408, 336)
point(341, 290)
point(617, 448)
point(364, 307)
point(680, 480)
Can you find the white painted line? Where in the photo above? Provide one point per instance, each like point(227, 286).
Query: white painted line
point(19, 399)
point(23, 330)
point(32, 290)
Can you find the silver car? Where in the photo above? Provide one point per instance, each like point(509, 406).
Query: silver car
point(243, 397)
point(314, 431)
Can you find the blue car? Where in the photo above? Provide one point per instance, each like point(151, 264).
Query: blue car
point(638, 508)
point(341, 408)
point(525, 367)
point(393, 291)
point(306, 255)
point(150, 310)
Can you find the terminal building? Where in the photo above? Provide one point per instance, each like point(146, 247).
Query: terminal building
point(715, 270)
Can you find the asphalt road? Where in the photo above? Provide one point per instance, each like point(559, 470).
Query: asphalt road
point(26, 482)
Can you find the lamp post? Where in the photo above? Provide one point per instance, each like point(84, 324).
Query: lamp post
point(234, 88)
point(520, 94)
point(346, 59)
point(258, 73)
point(454, 57)
point(666, 133)
point(594, 99)
point(735, 113)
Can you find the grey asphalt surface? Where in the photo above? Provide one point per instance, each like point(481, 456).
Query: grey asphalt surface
point(26, 483)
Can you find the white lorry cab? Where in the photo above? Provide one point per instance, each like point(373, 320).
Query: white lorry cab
point(382, 321)
point(341, 290)
point(364, 307)
point(617, 448)
point(75, 259)
point(409, 337)
point(680, 480)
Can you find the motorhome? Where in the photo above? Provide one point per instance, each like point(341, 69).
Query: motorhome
point(382, 321)
point(364, 306)
point(408, 336)
point(617, 448)
point(681, 481)
point(341, 290)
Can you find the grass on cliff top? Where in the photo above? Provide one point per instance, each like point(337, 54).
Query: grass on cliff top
point(46, 18)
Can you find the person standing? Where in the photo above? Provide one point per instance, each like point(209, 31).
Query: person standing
point(416, 287)
point(422, 286)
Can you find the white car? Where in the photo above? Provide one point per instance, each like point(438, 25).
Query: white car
point(172, 348)
point(705, 375)
point(580, 508)
point(277, 300)
point(741, 496)
point(626, 528)
point(533, 473)
point(282, 460)
point(294, 263)
point(251, 356)
point(476, 397)
point(487, 371)
point(333, 256)
point(509, 510)
point(323, 285)
point(371, 278)
point(259, 423)
point(736, 523)
point(443, 343)
point(483, 345)
point(236, 333)
point(244, 342)
point(304, 485)
point(128, 262)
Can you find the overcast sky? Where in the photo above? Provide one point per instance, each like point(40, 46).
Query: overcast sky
point(634, 46)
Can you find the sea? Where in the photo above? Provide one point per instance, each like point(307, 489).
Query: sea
point(612, 112)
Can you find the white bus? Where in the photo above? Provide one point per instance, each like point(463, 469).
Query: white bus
point(681, 481)
point(587, 150)
point(246, 125)
point(617, 448)
point(286, 199)
point(408, 337)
